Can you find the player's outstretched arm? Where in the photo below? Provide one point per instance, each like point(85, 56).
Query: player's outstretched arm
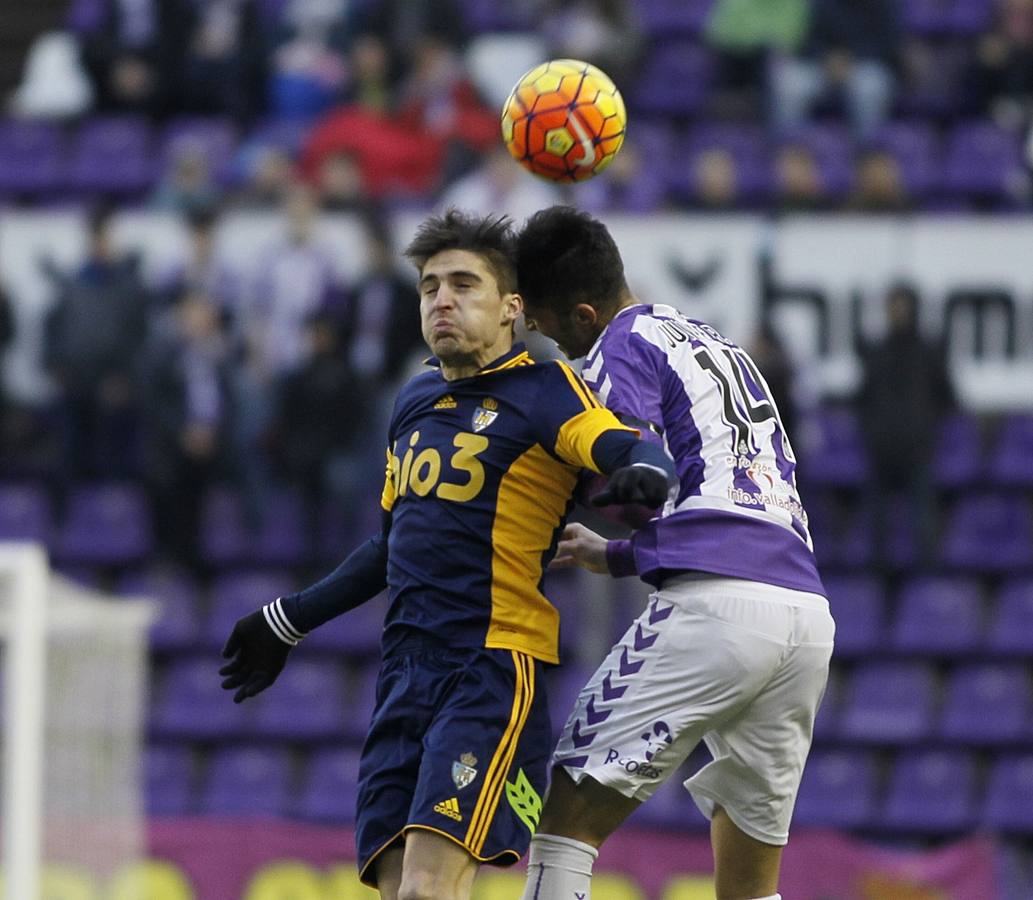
point(580, 546)
point(257, 647)
point(639, 471)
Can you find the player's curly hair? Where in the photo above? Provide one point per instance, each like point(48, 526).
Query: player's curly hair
point(490, 237)
point(565, 257)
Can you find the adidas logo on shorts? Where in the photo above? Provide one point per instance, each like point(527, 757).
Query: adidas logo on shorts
point(449, 808)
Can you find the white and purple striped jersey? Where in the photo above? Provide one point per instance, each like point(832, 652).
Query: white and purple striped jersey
point(737, 511)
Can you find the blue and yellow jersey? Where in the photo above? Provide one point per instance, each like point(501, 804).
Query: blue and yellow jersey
point(480, 477)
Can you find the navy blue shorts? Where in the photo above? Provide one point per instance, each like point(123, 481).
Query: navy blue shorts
point(459, 745)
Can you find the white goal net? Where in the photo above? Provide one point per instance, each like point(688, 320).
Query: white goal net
point(73, 665)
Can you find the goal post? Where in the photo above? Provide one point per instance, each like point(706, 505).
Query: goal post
point(74, 666)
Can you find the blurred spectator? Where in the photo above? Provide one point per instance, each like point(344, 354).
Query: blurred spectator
point(715, 181)
point(339, 184)
point(369, 81)
point(500, 185)
point(632, 183)
point(133, 52)
point(603, 32)
point(878, 185)
point(225, 69)
point(55, 84)
point(438, 98)
point(308, 69)
point(187, 185)
point(798, 182)
point(743, 33)
point(93, 338)
point(187, 414)
point(906, 393)
point(265, 175)
point(204, 270)
point(314, 451)
point(383, 322)
point(851, 49)
point(769, 353)
point(296, 279)
point(402, 25)
point(1001, 76)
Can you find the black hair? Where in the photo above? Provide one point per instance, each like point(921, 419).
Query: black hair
point(566, 257)
point(490, 237)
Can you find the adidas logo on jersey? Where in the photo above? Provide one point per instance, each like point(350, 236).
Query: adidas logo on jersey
point(449, 808)
point(446, 402)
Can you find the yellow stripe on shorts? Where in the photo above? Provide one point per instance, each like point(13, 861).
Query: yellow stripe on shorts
point(495, 779)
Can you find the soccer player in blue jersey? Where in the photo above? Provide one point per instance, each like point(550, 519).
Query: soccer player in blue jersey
point(484, 451)
point(733, 648)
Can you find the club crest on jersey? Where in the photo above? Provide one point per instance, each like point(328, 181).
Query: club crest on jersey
point(485, 414)
point(463, 771)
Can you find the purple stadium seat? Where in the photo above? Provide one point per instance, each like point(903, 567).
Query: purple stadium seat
point(1011, 627)
point(105, 524)
point(179, 623)
point(25, 513)
point(280, 539)
point(1009, 787)
point(663, 19)
point(31, 157)
point(838, 790)
point(888, 702)
point(989, 533)
point(915, 147)
point(242, 781)
point(651, 144)
point(1009, 464)
point(842, 531)
point(307, 702)
point(958, 455)
point(237, 594)
point(938, 615)
point(982, 161)
point(930, 791)
point(937, 18)
point(215, 138)
point(833, 151)
point(987, 704)
point(858, 604)
point(191, 704)
point(169, 774)
point(674, 81)
point(112, 155)
point(490, 15)
point(836, 454)
point(329, 787)
point(936, 89)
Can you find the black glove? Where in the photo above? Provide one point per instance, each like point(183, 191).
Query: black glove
point(256, 656)
point(634, 484)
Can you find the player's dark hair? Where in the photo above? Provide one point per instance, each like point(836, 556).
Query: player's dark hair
point(490, 237)
point(565, 257)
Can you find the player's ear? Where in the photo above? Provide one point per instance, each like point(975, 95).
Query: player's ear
point(512, 306)
point(585, 315)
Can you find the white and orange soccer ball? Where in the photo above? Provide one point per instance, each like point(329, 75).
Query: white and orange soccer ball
point(564, 120)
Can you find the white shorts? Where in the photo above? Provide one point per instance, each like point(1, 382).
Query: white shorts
point(738, 664)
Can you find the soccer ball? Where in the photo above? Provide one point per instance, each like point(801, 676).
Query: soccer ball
point(564, 120)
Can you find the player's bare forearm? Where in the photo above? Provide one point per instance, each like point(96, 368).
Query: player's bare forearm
point(580, 546)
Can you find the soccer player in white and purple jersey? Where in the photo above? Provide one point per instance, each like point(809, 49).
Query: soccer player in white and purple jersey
point(733, 647)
